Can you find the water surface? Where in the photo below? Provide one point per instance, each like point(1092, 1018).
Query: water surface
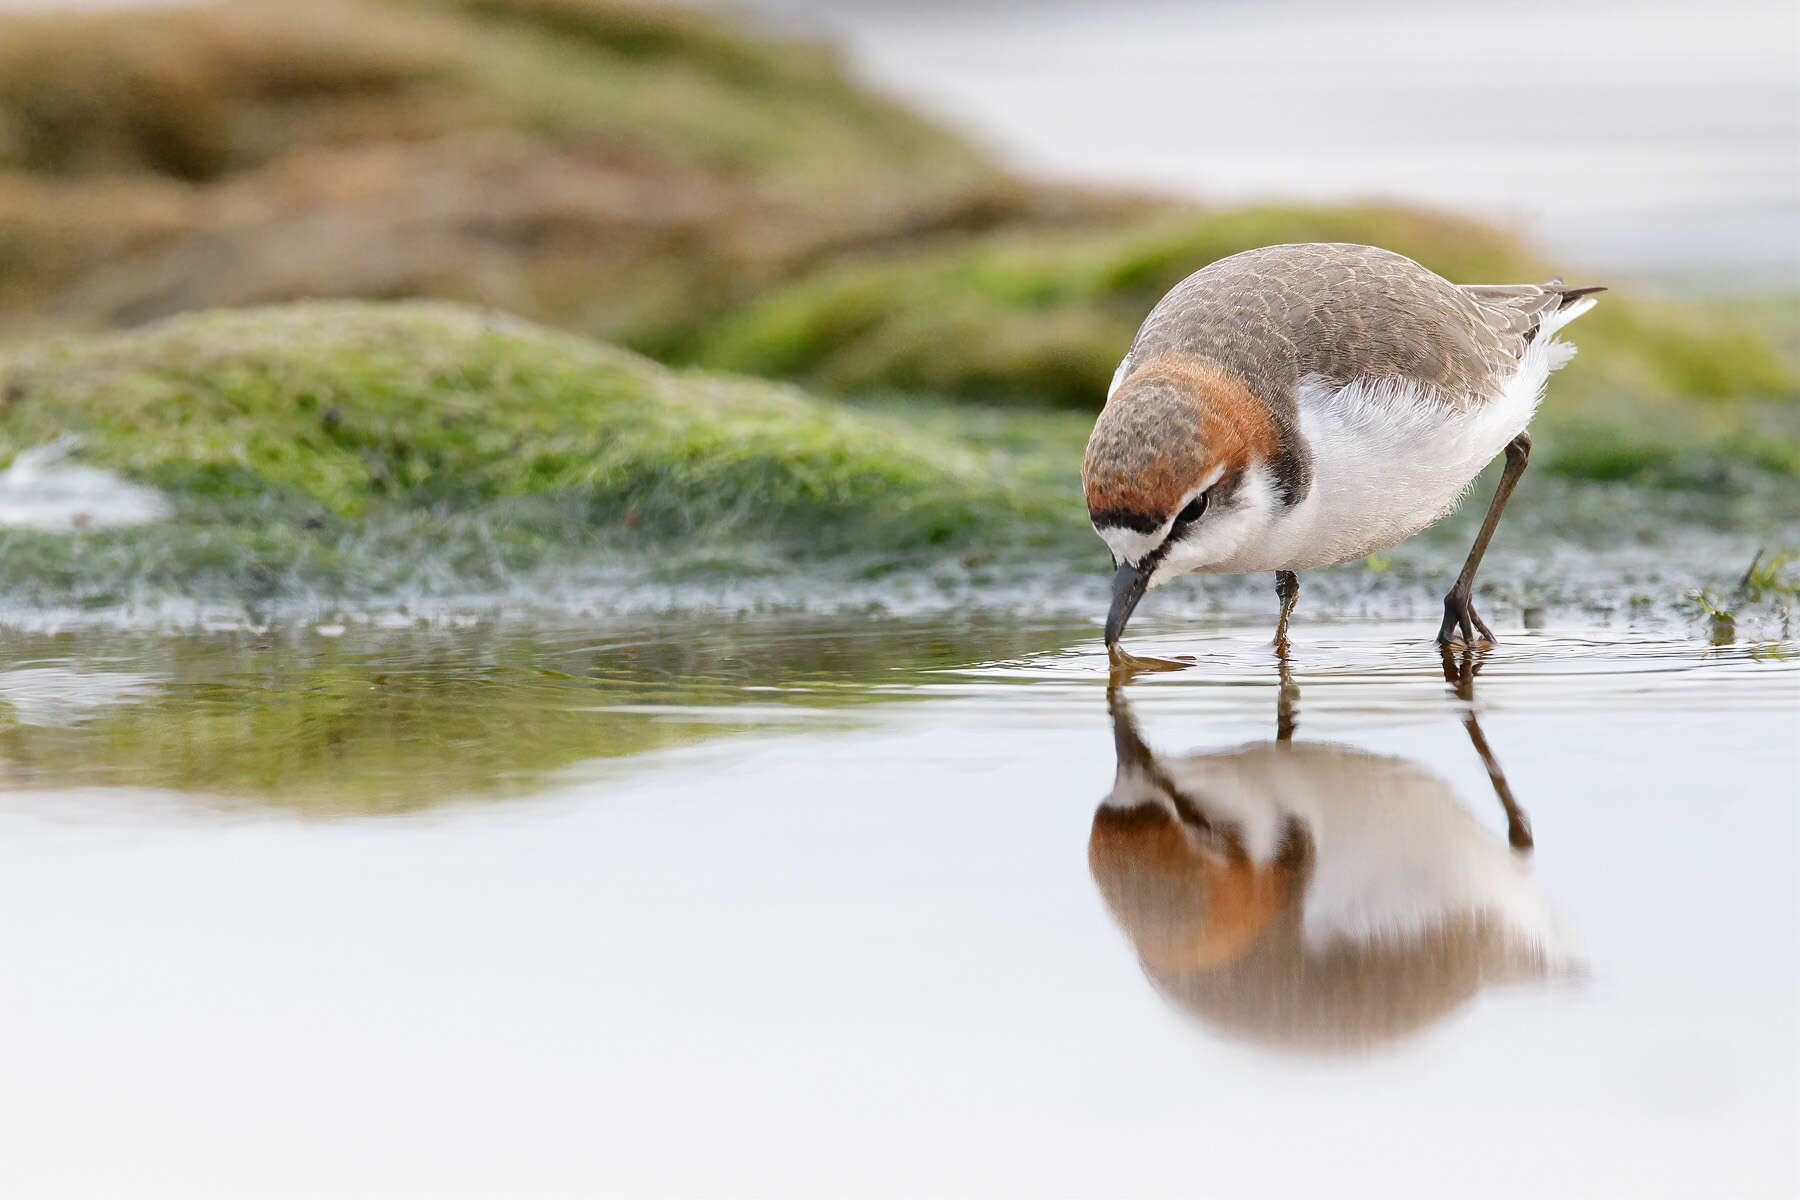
point(830, 907)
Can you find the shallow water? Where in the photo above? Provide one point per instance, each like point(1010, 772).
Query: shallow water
point(832, 908)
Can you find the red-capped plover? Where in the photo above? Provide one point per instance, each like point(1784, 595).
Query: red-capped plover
point(1298, 406)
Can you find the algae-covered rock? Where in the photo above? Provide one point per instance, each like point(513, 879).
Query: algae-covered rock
point(370, 447)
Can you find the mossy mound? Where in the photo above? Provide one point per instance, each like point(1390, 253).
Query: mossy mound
point(365, 446)
point(1045, 317)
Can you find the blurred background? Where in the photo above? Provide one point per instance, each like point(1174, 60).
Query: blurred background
point(1643, 140)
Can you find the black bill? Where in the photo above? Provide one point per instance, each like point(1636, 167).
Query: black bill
point(1129, 583)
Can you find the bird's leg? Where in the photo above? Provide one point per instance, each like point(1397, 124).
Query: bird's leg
point(1287, 588)
point(1459, 605)
point(1461, 676)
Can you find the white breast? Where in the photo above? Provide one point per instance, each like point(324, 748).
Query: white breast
point(1388, 461)
point(1389, 458)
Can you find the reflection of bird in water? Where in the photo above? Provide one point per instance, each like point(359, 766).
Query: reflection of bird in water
point(1310, 895)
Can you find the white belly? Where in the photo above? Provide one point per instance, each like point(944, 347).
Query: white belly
point(1387, 462)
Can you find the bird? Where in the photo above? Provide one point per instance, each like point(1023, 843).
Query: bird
point(1300, 405)
point(1311, 896)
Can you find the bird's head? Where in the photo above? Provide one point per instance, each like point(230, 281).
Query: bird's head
point(1177, 475)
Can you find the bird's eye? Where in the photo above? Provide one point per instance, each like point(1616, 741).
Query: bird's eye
point(1192, 512)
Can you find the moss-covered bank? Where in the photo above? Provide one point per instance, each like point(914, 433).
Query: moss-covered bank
point(356, 447)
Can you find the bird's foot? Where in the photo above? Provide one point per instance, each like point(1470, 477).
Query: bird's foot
point(1125, 666)
point(1461, 618)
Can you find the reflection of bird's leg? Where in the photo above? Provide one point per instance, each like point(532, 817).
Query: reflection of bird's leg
point(1127, 745)
point(1287, 589)
point(1287, 713)
point(1459, 605)
point(1134, 755)
point(1461, 677)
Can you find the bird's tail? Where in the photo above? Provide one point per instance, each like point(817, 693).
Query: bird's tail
point(1568, 297)
point(1571, 303)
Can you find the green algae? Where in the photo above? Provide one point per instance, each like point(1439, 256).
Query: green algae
point(356, 445)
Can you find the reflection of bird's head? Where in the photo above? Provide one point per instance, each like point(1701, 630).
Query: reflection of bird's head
point(1187, 906)
point(1309, 896)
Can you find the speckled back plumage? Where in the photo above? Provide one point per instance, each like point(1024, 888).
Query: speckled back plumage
point(1342, 312)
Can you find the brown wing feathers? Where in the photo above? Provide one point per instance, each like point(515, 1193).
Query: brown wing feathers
point(1515, 311)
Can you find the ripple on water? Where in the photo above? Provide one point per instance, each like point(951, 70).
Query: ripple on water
point(1390, 669)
